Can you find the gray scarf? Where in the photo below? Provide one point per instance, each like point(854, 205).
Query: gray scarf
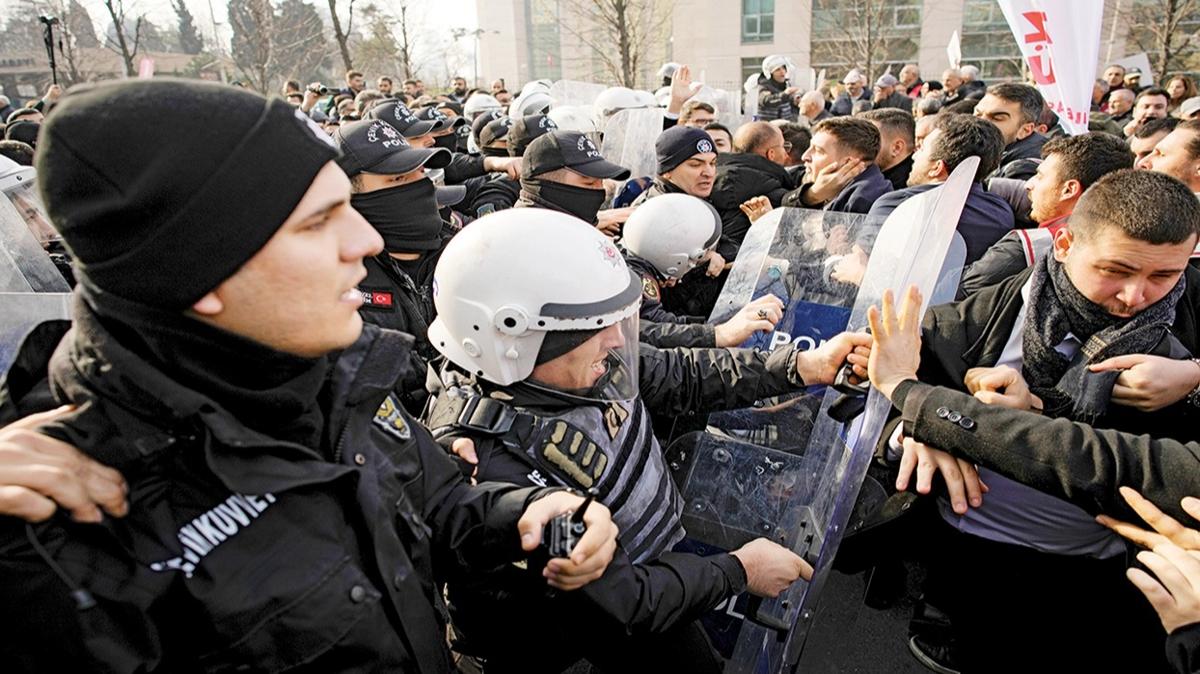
point(1056, 307)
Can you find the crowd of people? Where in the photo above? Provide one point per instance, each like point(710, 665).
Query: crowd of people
point(341, 360)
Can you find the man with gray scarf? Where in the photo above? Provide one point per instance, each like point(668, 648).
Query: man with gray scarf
point(1117, 285)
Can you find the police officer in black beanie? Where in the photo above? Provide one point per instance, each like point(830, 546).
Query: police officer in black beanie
point(498, 191)
point(693, 150)
point(563, 171)
point(283, 512)
point(389, 188)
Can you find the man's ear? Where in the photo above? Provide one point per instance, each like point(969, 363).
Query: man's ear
point(1026, 130)
point(1070, 189)
point(939, 170)
point(208, 306)
point(1062, 243)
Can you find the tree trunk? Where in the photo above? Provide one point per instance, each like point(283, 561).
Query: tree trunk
point(342, 38)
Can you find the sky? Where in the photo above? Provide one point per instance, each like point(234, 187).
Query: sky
point(438, 16)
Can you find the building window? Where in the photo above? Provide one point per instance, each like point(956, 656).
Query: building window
point(758, 20)
point(987, 42)
point(751, 66)
point(545, 43)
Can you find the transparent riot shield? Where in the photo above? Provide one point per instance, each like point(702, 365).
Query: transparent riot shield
point(727, 103)
point(802, 491)
point(31, 288)
point(571, 92)
point(629, 137)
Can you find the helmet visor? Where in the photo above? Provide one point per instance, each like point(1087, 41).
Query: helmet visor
point(594, 365)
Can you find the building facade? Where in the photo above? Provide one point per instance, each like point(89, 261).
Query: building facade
point(724, 42)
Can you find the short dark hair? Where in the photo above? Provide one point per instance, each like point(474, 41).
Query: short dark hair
point(22, 153)
point(964, 136)
point(799, 136)
point(1193, 146)
point(895, 122)
point(1029, 97)
point(351, 74)
point(964, 107)
point(859, 135)
point(408, 82)
point(692, 106)
point(753, 136)
point(1118, 199)
point(1088, 157)
point(1153, 126)
point(1152, 91)
point(385, 78)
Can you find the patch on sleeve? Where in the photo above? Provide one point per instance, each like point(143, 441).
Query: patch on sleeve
point(390, 418)
point(650, 288)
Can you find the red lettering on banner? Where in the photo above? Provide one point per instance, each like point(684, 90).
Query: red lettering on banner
point(1040, 65)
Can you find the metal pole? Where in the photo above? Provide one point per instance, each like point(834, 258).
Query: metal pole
point(48, 37)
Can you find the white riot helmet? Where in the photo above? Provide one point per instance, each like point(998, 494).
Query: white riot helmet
point(646, 99)
point(614, 99)
point(530, 103)
point(775, 62)
point(479, 103)
point(576, 118)
point(673, 232)
point(542, 86)
point(668, 69)
point(505, 305)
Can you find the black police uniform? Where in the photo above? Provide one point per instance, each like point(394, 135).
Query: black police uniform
point(394, 299)
point(243, 552)
point(659, 327)
point(530, 436)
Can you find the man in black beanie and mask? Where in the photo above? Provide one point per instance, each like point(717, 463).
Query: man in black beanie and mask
point(498, 192)
point(283, 513)
point(563, 171)
point(389, 188)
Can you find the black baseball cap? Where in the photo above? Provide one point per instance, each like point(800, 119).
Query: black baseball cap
point(440, 120)
point(494, 131)
point(483, 120)
point(401, 119)
point(373, 146)
point(568, 149)
point(527, 129)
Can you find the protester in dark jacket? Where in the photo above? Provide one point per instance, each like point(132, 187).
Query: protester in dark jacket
point(754, 168)
point(1015, 109)
point(985, 217)
point(840, 144)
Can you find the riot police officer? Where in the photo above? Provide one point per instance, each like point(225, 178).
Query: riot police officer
point(545, 375)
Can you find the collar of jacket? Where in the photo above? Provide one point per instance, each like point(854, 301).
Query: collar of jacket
point(129, 411)
point(752, 162)
point(1029, 147)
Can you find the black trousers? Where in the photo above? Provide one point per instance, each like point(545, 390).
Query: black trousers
point(1015, 609)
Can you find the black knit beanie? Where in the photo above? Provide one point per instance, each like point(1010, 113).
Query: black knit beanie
point(163, 188)
point(680, 143)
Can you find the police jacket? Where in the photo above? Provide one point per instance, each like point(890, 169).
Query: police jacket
point(242, 552)
point(531, 436)
point(394, 300)
point(659, 327)
point(496, 193)
point(742, 176)
point(772, 102)
point(463, 167)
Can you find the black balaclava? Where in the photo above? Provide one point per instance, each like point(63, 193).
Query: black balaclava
point(406, 216)
point(581, 202)
point(446, 142)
